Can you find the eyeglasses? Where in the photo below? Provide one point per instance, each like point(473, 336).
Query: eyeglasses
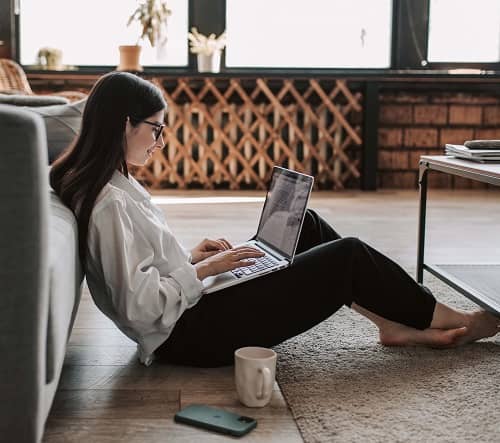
point(158, 128)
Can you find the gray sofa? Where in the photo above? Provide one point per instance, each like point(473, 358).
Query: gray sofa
point(40, 278)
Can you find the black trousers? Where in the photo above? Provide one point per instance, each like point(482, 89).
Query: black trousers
point(328, 272)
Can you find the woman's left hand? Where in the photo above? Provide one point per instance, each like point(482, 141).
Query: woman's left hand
point(207, 248)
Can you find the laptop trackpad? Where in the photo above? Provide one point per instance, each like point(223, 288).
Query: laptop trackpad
point(218, 279)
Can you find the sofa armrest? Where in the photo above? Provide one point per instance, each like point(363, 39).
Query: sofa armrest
point(23, 272)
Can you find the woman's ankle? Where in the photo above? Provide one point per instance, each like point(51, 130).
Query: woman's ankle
point(445, 317)
point(396, 336)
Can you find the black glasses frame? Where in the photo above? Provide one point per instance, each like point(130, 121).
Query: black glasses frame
point(159, 127)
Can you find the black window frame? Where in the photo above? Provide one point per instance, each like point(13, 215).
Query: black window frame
point(411, 37)
point(409, 42)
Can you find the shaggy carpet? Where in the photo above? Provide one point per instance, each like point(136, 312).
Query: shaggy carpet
point(342, 385)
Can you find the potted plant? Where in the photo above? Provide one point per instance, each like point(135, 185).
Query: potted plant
point(50, 58)
point(208, 49)
point(152, 16)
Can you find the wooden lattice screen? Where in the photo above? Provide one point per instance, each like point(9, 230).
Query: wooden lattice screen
point(231, 132)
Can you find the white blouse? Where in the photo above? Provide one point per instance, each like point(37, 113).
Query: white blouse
point(137, 272)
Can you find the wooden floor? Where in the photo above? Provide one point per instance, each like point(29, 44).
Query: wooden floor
point(106, 396)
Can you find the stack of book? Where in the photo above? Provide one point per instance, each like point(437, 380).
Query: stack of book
point(483, 151)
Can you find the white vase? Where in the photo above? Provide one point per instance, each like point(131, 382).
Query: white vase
point(209, 63)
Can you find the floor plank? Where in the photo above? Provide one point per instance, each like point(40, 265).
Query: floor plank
point(97, 355)
point(269, 430)
point(88, 336)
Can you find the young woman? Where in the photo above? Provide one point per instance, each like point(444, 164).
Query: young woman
point(150, 286)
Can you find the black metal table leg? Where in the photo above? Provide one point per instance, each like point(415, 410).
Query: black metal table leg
point(370, 137)
point(422, 180)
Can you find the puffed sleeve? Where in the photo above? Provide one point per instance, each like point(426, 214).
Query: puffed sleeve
point(144, 300)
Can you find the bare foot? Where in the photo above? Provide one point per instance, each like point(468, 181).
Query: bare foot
point(450, 328)
point(401, 335)
point(480, 324)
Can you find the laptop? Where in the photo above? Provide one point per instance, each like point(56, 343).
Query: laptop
point(278, 232)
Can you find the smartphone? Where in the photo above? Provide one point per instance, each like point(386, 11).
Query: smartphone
point(215, 420)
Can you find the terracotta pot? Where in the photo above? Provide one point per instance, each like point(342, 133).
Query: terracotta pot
point(129, 58)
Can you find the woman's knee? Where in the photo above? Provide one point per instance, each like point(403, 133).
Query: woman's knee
point(357, 249)
point(309, 222)
point(315, 231)
point(311, 213)
point(351, 242)
point(309, 235)
point(314, 218)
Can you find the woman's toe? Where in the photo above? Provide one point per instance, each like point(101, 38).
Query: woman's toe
point(450, 338)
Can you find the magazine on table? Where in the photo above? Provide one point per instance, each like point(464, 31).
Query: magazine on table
point(482, 144)
point(487, 153)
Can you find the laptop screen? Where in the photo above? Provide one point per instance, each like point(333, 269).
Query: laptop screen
point(284, 210)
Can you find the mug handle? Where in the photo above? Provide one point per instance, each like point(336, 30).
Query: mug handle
point(264, 383)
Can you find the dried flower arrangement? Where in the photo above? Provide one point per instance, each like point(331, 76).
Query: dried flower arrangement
point(201, 44)
point(152, 15)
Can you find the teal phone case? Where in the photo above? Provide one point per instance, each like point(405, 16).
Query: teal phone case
point(215, 420)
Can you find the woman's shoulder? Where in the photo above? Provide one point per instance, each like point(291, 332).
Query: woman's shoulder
point(110, 195)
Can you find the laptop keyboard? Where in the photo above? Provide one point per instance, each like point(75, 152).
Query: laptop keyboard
point(259, 265)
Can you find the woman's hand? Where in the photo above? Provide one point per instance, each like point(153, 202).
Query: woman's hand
point(227, 261)
point(208, 248)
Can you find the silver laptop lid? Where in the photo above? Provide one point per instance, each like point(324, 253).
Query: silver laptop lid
point(284, 210)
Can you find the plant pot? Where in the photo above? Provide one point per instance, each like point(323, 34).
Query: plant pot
point(129, 58)
point(209, 63)
point(50, 58)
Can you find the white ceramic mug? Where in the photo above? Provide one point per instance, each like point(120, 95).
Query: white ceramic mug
point(255, 371)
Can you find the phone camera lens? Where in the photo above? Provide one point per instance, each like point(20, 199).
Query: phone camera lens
point(245, 419)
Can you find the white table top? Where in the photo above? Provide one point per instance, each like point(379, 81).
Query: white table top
point(490, 169)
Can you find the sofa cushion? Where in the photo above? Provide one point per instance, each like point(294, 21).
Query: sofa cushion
point(31, 100)
point(65, 279)
point(62, 124)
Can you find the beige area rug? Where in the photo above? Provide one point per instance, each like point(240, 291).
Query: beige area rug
point(341, 385)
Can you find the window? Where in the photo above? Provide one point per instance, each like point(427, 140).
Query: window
point(309, 34)
point(89, 32)
point(464, 31)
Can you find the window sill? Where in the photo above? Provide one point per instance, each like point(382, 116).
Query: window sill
point(381, 75)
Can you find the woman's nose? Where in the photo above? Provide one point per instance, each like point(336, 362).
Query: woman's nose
point(160, 143)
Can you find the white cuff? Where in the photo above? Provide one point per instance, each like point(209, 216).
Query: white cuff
point(190, 285)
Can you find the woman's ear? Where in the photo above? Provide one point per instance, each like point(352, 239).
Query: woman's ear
point(128, 126)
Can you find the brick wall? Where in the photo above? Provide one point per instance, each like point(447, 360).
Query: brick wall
point(418, 123)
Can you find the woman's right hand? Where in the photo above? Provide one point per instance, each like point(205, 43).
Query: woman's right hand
point(227, 261)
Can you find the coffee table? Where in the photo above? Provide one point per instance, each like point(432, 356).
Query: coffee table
point(479, 282)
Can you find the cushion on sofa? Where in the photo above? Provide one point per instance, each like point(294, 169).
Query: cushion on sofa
point(31, 100)
point(62, 124)
point(65, 279)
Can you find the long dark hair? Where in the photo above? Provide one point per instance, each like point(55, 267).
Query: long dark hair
point(85, 167)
